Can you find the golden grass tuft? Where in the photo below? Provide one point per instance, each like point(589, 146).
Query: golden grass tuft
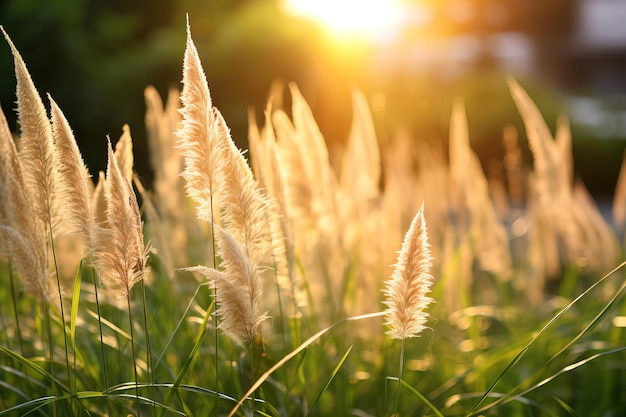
point(74, 180)
point(23, 234)
point(36, 145)
point(406, 291)
point(120, 253)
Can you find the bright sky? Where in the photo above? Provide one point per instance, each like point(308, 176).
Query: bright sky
point(364, 19)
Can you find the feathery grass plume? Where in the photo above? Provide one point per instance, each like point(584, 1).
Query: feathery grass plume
point(298, 192)
point(406, 290)
point(603, 248)
point(74, 178)
point(361, 163)
point(239, 285)
point(553, 205)
point(245, 209)
point(272, 179)
point(258, 149)
point(513, 166)
point(165, 158)
point(24, 233)
point(36, 143)
point(475, 207)
point(399, 175)
point(202, 147)
point(98, 202)
point(124, 153)
point(10, 167)
point(360, 210)
point(316, 160)
point(120, 254)
point(563, 141)
point(212, 160)
point(619, 199)
point(158, 235)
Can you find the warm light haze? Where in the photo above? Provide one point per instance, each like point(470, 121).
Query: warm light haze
point(351, 18)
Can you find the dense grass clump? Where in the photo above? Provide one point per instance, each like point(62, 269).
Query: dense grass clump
point(287, 285)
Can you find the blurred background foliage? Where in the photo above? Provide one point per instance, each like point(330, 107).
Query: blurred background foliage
point(95, 58)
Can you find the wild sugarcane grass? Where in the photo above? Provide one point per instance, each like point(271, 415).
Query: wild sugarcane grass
point(304, 245)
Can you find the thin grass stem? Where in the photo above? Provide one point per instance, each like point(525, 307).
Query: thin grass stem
point(104, 361)
point(148, 349)
point(15, 309)
point(252, 377)
point(171, 338)
point(215, 323)
point(132, 347)
point(46, 310)
point(58, 280)
point(400, 369)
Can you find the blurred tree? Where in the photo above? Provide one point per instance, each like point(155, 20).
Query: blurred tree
point(94, 59)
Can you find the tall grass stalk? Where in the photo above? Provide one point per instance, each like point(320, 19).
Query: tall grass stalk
point(400, 368)
point(46, 311)
point(192, 355)
point(216, 338)
point(58, 281)
point(103, 355)
point(132, 347)
point(15, 309)
point(150, 370)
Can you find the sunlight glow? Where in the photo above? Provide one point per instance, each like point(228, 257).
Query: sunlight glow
point(365, 19)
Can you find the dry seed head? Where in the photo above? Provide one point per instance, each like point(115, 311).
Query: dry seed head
point(74, 179)
point(124, 153)
point(120, 255)
point(22, 234)
point(410, 282)
point(199, 140)
point(239, 287)
point(37, 146)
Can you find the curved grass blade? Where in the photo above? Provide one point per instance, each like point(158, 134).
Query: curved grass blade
point(73, 315)
point(519, 356)
point(75, 302)
point(566, 407)
point(33, 366)
point(508, 397)
point(421, 397)
point(294, 352)
point(199, 337)
point(330, 379)
point(110, 325)
point(597, 319)
point(180, 322)
point(525, 401)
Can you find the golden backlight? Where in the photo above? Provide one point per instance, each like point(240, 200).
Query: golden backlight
point(351, 19)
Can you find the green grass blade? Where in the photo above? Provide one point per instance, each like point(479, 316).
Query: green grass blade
point(199, 337)
point(73, 316)
point(510, 397)
point(422, 398)
point(566, 407)
point(180, 322)
point(330, 379)
point(597, 319)
point(33, 366)
point(75, 303)
point(519, 356)
point(294, 352)
point(110, 325)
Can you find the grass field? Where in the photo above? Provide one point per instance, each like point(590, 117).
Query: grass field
point(289, 281)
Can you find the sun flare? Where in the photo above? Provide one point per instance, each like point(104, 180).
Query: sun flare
point(351, 18)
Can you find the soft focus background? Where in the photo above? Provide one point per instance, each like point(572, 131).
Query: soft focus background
point(411, 59)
